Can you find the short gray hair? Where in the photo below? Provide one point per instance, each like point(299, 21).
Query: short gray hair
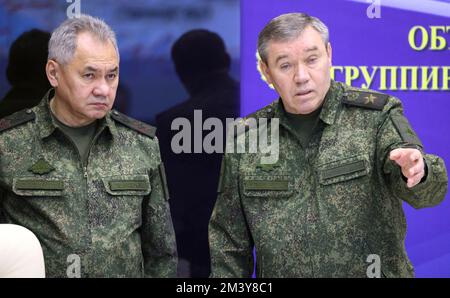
point(63, 42)
point(287, 27)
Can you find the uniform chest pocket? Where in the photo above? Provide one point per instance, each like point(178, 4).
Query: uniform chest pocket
point(38, 187)
point(278, 186)
point(130, 185)
point(343, 169)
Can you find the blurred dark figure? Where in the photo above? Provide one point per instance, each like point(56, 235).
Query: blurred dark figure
point(202, 65)
point(26, 72)
point(123, 100)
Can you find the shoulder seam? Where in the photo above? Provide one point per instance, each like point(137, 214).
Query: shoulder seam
point(265, 111)
point(16, 119)
point(134, 124)
point(366, 99)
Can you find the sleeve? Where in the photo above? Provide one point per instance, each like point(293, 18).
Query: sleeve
point(2, 219)
point(229, 238)
point(2, 193)
point(396, 132)
point(157, 232)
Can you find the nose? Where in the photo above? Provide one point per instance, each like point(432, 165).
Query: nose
point(301, 75)
point(101, 89)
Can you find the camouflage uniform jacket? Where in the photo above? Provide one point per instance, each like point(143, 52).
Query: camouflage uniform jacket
point(321, 211)
point(109, 213)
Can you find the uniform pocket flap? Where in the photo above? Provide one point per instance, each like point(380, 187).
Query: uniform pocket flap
point(38, 187)
point(267, 186)
point(127, 185)
point(342, 170)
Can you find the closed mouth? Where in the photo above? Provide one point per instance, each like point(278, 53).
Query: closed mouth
point(99, 104)
point(303, 93)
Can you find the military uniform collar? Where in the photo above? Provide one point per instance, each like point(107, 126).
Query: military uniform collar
point(110, 124)
point(331, 103)
point(280, 113)
point(46, 125)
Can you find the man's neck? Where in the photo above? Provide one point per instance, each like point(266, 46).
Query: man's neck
point(65, 117)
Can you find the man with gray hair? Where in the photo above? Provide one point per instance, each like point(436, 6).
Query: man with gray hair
point(88, 181)
point(331, 206)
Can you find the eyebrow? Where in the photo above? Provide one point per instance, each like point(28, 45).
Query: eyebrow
point(311, 49)
point(280, 57)
point(93, 69)
point(115, 69)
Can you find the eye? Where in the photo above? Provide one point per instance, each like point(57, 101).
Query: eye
point(285, 66)
point(88, 76)
point(312, 60)
point(111, 76)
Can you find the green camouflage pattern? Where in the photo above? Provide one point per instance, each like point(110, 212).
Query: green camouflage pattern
point(323, 209)
point(112, 210)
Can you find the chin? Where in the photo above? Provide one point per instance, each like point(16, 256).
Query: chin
point(98, 115)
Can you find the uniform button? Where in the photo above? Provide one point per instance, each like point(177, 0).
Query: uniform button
point(28, 111)
point(269, 110)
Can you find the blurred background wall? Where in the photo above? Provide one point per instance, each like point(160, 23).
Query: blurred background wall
point(146, 30)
